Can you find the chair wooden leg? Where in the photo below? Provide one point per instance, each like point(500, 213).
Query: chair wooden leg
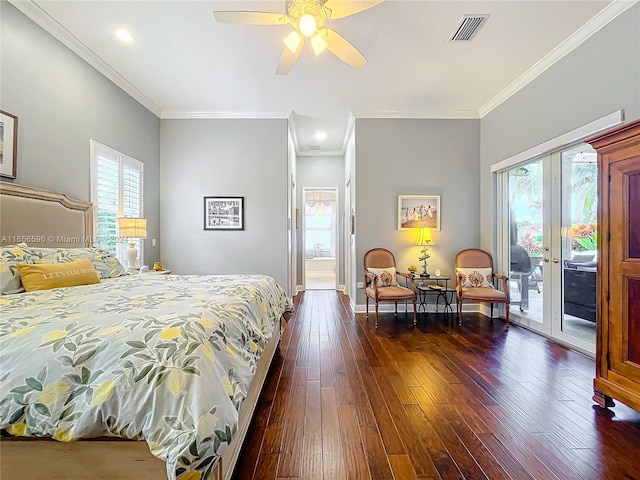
point(459, 301)
point(507, 316)
point(396, 312)
point(376, 314)
point(415, 311)
point(367, 298)
point(492, 311)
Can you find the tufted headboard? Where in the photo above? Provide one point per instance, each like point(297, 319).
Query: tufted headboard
point(42, 218)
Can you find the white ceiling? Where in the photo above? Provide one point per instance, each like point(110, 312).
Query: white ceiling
point(183, 64)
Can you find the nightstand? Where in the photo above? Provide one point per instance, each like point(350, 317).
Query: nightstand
point(157, 272)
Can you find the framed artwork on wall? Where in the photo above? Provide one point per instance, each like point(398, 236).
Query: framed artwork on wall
point(417, 211)
point(224, 213)
point(8, 144)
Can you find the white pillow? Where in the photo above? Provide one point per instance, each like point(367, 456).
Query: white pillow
point(385, 277)
point(476, 277)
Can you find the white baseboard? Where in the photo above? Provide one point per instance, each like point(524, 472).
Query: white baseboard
point(389, 307)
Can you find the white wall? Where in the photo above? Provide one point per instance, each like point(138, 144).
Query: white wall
point(599, 77)
point(61, 103)
point(416, 157)
point(245, 158)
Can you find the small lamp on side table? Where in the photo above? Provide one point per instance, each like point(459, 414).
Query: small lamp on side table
point(423, 241)
point(132, 228)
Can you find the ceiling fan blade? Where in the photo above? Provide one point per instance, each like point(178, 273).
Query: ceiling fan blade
point(251, 18)
point(343, 49)
point(343, 8)
point(287, 60)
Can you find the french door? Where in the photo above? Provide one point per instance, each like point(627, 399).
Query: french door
point(547, 238)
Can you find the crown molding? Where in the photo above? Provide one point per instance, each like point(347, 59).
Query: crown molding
point(421, 114)
point(40, 17)
point(220, 114)
point(602, 18)
point(424, 114)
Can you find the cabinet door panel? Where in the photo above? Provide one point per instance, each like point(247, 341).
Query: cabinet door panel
point(634, 217)
point(624, 267)
point(633, 307)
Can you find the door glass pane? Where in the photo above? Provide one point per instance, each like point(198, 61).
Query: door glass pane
point(525, 238)
point(579, 237)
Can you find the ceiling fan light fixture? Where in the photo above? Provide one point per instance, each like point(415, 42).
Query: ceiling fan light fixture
point(292, 41)
point(307, 24)
point(319, 44)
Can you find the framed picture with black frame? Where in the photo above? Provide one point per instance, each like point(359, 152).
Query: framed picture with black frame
point(224, 213)
point(8, 145)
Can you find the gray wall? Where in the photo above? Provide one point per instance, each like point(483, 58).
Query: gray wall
point(246, 158)
point(320, 171)
point(412, 157)
point(599, 77)
point(61, 103)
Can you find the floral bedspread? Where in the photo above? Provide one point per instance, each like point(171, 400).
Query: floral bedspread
point(163, 358)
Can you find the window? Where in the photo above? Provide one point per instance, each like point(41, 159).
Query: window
point(116, 191)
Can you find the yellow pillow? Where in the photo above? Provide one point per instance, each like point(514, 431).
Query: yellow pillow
point(45, 276)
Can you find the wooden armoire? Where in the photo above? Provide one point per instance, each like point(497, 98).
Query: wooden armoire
point(618, 308)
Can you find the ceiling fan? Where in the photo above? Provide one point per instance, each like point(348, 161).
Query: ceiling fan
point(307, 18)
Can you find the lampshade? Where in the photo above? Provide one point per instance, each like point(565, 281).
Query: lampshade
point(319, 44)
point(425, 237)
point(292, 41)
point(132, 227)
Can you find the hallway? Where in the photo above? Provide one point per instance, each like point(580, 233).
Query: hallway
point(438, 401)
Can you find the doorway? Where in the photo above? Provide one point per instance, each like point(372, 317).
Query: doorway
point(550, 235)
point(320, 238)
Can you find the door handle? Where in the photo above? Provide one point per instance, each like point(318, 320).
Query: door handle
point(554, 260)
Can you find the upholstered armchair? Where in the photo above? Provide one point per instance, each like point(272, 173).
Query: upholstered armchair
point(475, 280)
point(380, 281)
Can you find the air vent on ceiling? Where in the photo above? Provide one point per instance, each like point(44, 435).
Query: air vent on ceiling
point(467, 27)
point(314, 147)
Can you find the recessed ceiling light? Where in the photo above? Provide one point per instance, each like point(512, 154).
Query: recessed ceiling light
point(321, 135)
point(124, 36)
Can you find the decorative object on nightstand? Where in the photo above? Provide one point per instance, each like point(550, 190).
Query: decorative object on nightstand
point(157, 266)
point(424, 240)
point(412, 269)
point(437, 272)
point(132, 228)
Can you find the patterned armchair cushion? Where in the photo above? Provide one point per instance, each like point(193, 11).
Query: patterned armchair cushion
point(385, 277)
point(476, 277)
point(10, 256)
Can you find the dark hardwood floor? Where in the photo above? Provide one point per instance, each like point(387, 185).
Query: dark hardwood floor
point(436, 401)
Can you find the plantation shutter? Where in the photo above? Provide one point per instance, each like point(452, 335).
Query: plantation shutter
point(116, 192)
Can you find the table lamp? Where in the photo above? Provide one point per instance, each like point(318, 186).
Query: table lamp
point(132, 228)
point(424, 240)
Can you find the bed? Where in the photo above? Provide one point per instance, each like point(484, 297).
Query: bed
point(175, 360)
